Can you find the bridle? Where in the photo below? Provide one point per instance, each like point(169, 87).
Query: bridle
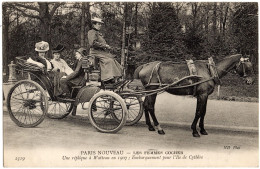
point(242, 63)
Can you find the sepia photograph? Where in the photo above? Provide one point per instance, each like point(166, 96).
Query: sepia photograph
point(130, 84)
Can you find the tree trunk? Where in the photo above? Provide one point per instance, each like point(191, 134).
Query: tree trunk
point(194, 7)
point(88, 22)
point(207, 24)
point(123, 38)
point(224, 21)
point(221, 18)
point(5, 39)
point(82, 30)
point(45, 25)
point(45, 21)
point(214, 26)
point(136, 18)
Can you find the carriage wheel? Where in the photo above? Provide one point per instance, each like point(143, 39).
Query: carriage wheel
point(59, 110)
point(27, 103)
point(134, 106)
point(107, 104)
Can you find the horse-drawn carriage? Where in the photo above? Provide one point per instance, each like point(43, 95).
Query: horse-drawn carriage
point(109, 108)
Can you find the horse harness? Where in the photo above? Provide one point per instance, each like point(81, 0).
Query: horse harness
point(193, 73)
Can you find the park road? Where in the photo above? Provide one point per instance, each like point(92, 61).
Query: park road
point(47, 144)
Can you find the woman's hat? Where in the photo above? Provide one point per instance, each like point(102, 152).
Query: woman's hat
point(82, 51)
point(95, 19)
point(58, 49)
point(42, 46)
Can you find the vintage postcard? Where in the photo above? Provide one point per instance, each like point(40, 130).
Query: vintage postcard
point(130, 84)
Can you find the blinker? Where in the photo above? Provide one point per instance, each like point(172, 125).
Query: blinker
point(242, 59)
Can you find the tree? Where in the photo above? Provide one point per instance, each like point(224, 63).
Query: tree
point(43, 11)
point(164, 33)
point(6, 23)
point(245, 26)
point(82, 30)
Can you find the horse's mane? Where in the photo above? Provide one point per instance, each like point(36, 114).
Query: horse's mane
point(232, 56)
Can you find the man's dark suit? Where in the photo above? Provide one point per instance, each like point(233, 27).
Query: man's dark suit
point(74, 79)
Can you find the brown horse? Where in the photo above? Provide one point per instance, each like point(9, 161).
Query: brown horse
point(168, 72)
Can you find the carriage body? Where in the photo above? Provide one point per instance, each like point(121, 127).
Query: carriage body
point(32, 98)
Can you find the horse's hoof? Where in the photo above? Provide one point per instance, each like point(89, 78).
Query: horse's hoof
point(203, 132)
point(151, 129)
point(73, 113)
point(195, 134)
point(161, 132)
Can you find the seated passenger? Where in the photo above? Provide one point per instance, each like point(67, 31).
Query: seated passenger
point(77, 77)
point(111, 70)
point(43, 79)
point(40, 60)
point(58, 63)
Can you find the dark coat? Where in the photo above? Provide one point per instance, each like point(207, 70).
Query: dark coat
point(41, 60)
point(110, 68)
point(77, 77)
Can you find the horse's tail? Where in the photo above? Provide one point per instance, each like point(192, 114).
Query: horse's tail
point(137, 70)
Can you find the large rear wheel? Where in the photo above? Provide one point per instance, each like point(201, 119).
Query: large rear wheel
point(103, 107)
point(27, 103)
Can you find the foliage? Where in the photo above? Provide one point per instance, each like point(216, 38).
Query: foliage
point(167, 31)
point(164, 37)
point(246, 26)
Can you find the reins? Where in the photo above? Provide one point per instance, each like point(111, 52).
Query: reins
point(171, 86)
point(151, 92)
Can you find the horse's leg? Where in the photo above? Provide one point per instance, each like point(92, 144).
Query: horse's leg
point(146, 113)
point(201, 100)
point(152, 100)
point(201, 125)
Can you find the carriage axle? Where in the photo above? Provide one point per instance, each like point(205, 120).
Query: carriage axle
point(31, 104)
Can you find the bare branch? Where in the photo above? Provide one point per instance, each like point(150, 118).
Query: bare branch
point(27, 7)
point(57, 5)
point(25, 14)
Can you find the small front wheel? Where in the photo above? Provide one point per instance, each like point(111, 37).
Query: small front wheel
point(27, 103)
point(134, 104)
point(103, 107)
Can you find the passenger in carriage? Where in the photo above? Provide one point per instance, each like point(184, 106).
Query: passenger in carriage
point(58, 63)
point(44, 79)
point(60, 69)
point(111, 70)
point(77, 77)
point(56, 68)
point(41, 48)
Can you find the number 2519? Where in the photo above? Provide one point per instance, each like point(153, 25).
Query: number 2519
point(19, 158)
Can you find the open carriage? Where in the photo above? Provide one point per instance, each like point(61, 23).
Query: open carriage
point(108, 109)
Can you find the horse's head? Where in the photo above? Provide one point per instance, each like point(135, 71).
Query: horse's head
point(245, 69)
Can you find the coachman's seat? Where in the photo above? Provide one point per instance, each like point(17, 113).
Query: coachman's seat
point(91, 67)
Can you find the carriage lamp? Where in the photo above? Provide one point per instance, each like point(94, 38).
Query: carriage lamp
point(12, 73)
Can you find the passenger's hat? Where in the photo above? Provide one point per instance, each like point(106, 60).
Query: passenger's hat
point(82, 51)
point(42, 46)
point(58, 49)
point(95, 19)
